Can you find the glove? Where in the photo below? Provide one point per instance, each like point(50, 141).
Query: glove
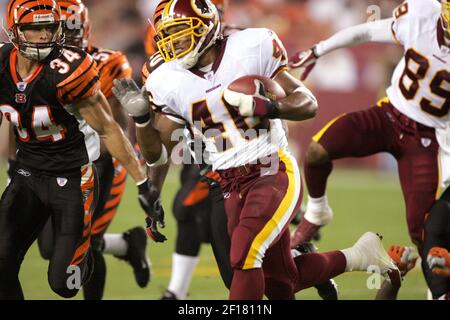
point(438, 260)
point(304, 59)
point(256, 105)
point(132, 99)
point(152, 231)
point(404, 257)
point(151, 203)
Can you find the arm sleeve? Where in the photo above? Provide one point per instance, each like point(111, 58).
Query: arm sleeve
point(81, 84)
point(400, 23)
point(273, 54)
point(161, 103)
point(376, 31)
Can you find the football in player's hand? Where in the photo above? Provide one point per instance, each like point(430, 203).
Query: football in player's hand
point(248, 85)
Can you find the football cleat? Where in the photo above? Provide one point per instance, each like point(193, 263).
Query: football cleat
point(304, 232)
point(404, 258)
point(298, 219)
point(317, 214)
point(136, 255)
point(327, 290)
point(369, 254)
point(169, 295)
point(439, 261)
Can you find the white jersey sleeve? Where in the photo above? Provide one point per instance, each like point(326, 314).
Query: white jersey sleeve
point(401, 23)
point(162, 97)
point(374, 31)
point(273, 54)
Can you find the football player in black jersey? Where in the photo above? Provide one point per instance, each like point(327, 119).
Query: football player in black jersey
point(130, 245)
point(51, 93)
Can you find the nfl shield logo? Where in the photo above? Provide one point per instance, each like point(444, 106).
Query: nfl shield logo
point(61, 181)
point(426, 142)
point(209, 76)
point(21, 86)
point(21, 98)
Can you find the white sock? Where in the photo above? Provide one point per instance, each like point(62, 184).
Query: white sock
point(318, 211)
point(352, 259)
point(317, 203)
point(182, 269)
point(115, 244)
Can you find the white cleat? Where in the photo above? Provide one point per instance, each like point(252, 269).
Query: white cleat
point(368, 254)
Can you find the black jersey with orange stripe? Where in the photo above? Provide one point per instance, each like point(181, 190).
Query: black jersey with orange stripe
point(50, 134)
point(111, 65)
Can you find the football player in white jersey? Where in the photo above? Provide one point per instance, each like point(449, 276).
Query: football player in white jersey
point(404, 124)
point(259, 178)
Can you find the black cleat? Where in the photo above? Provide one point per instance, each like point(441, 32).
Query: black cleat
point(327, 290)
point(90, 265)
point(169, 295)
point(136, 255)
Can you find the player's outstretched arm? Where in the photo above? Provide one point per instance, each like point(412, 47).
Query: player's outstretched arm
point(119, 114)
point(93, 110)
point(375, 31)
point(137, 105)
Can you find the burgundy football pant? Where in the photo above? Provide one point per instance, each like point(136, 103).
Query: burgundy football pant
point(259, 208)
point(384, 129)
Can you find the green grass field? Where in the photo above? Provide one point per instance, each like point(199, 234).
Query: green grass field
point(361, 201)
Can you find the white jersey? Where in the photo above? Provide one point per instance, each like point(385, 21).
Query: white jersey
point(420, 85)
point(443, 138)
point(195, 99)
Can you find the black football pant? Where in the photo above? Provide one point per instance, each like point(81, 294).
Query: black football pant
point(437, 234)
point(26, 204)
point(203, 221)
point(105, 169)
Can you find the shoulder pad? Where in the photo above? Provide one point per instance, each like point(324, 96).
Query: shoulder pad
point(5, 49)
point(154, 62)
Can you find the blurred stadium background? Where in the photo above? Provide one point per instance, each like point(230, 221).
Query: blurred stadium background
point(364, 193)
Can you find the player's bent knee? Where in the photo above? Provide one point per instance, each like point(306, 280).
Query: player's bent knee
point(279, 290)
point(316, 154)
point(244, 253)
point(65, 292)
point(67, 285)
